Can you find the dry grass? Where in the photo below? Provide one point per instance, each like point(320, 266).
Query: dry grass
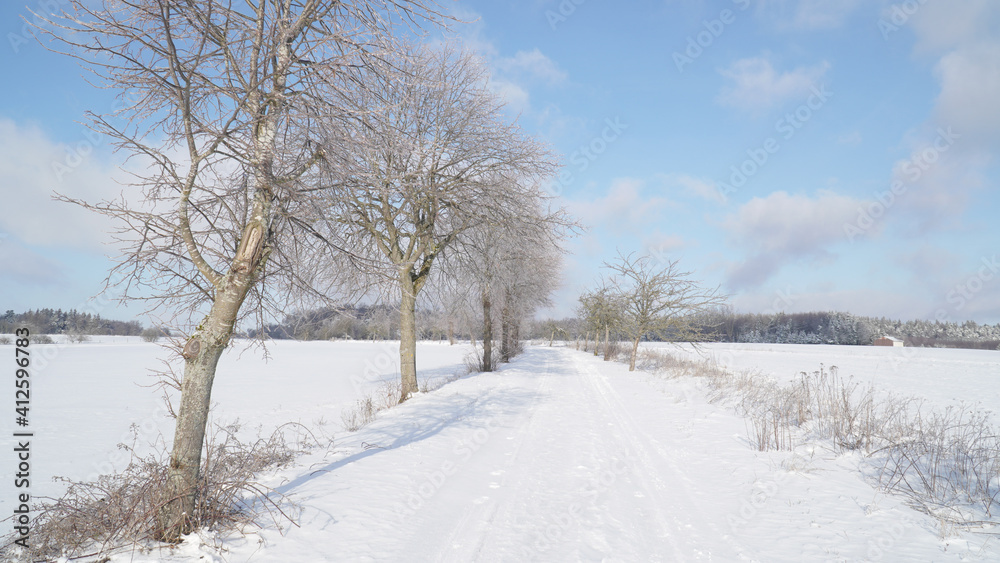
point(474, 362)
point(94, 519)
point(366, 410)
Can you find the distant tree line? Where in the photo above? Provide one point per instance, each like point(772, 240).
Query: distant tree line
point(377, 322)
point(844, 328)
point(725, 325)
point(57, 321)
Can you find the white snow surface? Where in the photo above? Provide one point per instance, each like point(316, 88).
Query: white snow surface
point(941, 376)
point(556, 457)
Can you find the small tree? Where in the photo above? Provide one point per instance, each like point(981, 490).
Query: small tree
point(658, 300)
point(601, 310)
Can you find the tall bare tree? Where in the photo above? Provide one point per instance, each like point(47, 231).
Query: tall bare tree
point(658, 299)
point(434, 153)
point(219, 98)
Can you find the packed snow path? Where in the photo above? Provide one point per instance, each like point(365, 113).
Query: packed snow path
point(562, 457)
point(541, 461)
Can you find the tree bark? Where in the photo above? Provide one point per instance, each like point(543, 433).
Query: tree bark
point(407, 337)
point(487, 334)
point(607, 339)
point(451, 332)
point(505, 332)
point(635, 352)
point(201, 357)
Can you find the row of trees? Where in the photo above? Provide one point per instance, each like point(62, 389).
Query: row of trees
point(57, 321)
point(643, 299)
point(724, 325)
point(306, 152)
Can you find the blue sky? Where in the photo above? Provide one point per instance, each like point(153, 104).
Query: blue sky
point(802, 154)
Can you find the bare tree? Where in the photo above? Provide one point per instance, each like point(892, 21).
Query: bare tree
point(531, 274)
point(434, 153)
point(219, 98)
point(513, 264)
point(658, 300)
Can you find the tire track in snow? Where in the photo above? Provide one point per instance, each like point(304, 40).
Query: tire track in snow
point(487, 532)
point(659, 474)
point(470, 533)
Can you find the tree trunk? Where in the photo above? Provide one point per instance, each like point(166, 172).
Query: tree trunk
point(552, 338)
point(635, 352)
point(505, 333)
point(407, 338)
point(607, 339)
point(451, 332)
point(597, 341)
point(487, 334)
point(586, 342)
point(201, 357)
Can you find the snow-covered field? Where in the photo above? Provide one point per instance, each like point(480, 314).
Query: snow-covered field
point(86, 396)
point(557, 457)
point(941, 376)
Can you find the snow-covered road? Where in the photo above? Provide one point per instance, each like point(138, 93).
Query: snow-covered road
point(556, 457)
point(561, 457)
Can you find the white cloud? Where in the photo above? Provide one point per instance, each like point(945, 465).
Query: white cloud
point(512, 76)
point(949, 25)
point(852, 138)
point(705, 189)
point(623, 210)
point(823, 14)
point(874, 302)
point(808, 14)
point(793, 224)
point(33, 168)
point(26, 267)
point(782, 228)
point(533, 63)
point(757, 86)
point(516, 97)
point(970, 88)
point(966, 38)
